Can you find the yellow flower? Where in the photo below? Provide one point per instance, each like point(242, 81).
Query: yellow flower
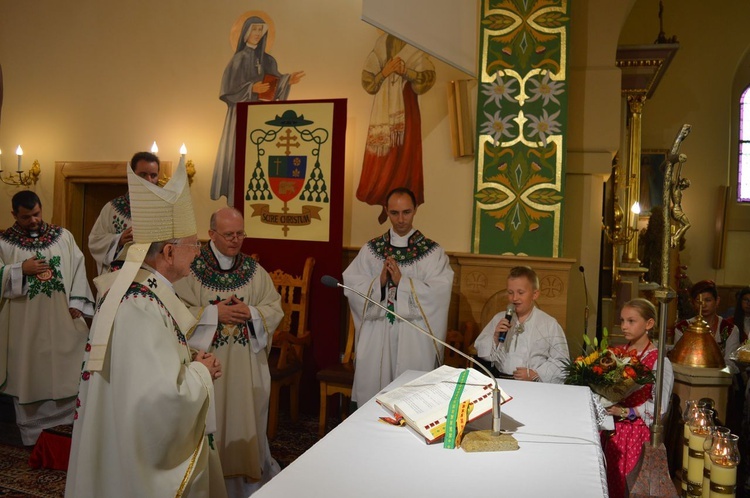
point(591, 358)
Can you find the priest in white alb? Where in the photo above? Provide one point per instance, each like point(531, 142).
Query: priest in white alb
point(239, 309)
point(410, 274)
point(112, 230)
point(143, 425)
point(44, 296)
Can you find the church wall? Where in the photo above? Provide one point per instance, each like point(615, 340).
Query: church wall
point(697, 89)
point(95, 80)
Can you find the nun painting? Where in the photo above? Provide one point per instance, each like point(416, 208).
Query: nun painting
point(252, 75)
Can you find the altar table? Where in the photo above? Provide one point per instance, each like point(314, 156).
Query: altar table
point(560, 454)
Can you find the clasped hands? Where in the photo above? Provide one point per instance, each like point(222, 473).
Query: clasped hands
point(233, 311)
point(395, 65)
point(210, 362)
point(390, 271)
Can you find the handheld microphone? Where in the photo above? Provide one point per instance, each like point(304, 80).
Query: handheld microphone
point(330, 281)
point(508, 316)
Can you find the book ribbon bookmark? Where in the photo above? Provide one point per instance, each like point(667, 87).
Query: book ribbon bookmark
point(451, 419)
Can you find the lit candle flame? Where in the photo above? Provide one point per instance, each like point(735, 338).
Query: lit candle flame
point(19, 151)
point(183, 150)
point(154, 147)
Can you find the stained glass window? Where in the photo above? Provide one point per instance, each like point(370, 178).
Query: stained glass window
point(743, 183)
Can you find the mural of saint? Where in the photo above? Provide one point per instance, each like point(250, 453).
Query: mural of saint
point(251, 75)
point(395, 73)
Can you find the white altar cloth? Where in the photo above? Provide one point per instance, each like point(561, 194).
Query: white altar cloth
point(560, 454)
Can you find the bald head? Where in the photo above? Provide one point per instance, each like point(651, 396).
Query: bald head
point(223, 213)
point(227, 231)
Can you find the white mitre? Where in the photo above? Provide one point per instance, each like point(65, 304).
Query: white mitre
point(161, 214)
point(157, 214)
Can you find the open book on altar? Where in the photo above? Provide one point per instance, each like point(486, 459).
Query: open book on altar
point(424, 402)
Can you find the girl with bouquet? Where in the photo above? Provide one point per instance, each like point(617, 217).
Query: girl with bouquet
point(635, 413)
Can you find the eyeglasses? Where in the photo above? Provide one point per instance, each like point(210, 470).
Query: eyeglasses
point(229, 237)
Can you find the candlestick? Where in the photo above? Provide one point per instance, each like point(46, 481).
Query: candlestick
point(723, 481)
point(695, 463)
point(685, 441)
point(692, 409)
point(19, 153)
point(715, 434)
point(725, 456)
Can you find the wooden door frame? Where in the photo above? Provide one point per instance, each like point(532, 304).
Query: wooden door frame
point(71, 178)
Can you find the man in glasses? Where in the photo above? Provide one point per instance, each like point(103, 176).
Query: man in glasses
point(239, 309)
point(143, 425)
point(113, 229)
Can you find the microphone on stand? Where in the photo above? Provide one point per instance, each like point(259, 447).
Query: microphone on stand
point(508, 316)
point(330, 281)
point(586, 308)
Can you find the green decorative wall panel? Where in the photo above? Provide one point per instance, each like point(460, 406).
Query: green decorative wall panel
point(521, 124)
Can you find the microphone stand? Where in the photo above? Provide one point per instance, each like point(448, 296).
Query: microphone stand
point(585, 308)
point(330, 281)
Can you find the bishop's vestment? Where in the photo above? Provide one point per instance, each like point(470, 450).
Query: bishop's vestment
point(140, 426)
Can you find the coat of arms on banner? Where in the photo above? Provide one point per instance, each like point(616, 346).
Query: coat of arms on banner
point(287, 171)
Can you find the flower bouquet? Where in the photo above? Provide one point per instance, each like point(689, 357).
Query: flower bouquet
point(612, 372)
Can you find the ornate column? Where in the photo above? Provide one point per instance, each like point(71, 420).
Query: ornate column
point(633, 172)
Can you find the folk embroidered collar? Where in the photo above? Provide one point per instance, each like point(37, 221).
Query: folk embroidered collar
point(210, 275)
point(48, 235)
point(121, 205)
point(419, 247)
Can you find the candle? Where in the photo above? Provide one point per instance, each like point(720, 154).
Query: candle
point(686, 435)
point(1, 161)
point(19, 152)
point(636, 210)
point(183, 151)
point(154, 148)
point(706, 474)
point(723, 478)
point(695, 463)
point(716, 446)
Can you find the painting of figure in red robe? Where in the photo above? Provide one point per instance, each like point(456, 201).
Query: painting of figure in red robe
point(395, 74)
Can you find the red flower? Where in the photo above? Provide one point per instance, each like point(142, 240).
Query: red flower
point(629, 372)
point(85, 375)
point(88, 346)
point(597, 370)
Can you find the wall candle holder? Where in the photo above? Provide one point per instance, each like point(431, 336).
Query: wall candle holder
point(19, 178)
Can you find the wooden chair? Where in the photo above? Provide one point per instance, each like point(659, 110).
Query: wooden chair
point(337, 379)
point(462, 340)
point(285, 360)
